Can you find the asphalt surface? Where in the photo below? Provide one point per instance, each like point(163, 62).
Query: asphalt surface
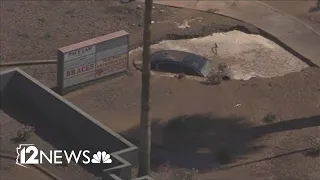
point(290, 30)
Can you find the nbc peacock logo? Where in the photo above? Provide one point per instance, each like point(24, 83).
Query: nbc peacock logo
point(101, 157)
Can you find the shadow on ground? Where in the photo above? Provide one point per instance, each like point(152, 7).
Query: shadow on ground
point(58, 138)
point(203, 141)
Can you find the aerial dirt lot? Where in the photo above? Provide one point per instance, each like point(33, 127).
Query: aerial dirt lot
point(262, 128)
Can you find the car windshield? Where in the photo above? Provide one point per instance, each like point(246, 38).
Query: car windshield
point(206, 69)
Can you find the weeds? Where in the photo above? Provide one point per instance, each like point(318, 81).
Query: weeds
point(23, 134)
point(41, 20)
point(47, 35)
point(214, 79)
point(23, 35)
point(269, 118)
point(70, 12)
point(313, 152)
point(212, 10)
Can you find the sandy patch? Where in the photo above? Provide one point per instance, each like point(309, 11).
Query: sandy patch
point(247, 55)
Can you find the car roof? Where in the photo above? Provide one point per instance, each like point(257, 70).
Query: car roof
point(189, 59)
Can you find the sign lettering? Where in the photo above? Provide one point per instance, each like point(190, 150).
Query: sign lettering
point(79, 70)
point(80, 51)
point(95, 58)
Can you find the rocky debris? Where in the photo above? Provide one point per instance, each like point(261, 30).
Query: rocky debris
point(224, 71)
point(216, 77)
point(139, 7)
point(132, 24)
point(180, 76)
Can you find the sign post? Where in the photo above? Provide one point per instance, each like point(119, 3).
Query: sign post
point(92, 59)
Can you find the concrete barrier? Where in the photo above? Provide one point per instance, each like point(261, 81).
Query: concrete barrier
point(30, 102)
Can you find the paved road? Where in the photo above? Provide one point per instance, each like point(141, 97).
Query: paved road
point(304, 11)
point(288, 21)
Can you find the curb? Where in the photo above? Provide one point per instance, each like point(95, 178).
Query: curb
point(27, 63)
point(39, 168)
point(292, 17)
point(266, 34)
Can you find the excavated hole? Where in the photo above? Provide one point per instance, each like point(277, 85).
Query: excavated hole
point(246, 55)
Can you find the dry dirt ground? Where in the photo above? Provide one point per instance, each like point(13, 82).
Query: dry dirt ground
point(207, 122)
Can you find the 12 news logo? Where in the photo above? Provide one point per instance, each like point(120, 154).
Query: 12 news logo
point(30, 154)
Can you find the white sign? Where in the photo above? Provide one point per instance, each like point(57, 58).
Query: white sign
point(112, 52)
point(92, 59)
point(80, 61)
point(28, 154)
point(111, 66)
point(79, 78)
point(79, 53)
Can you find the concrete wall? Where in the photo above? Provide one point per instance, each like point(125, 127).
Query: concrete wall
point(22, 96)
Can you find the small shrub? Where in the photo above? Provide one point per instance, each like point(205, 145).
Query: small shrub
point(41, 20)
point(269, 118)
point(47, 35)
point(313, 152)
point(70, 12)
point(23, 134)
point(23, 35)
point(214, 79)
point(212, 10)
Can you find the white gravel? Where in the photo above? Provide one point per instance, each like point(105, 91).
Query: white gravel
point(247, 55)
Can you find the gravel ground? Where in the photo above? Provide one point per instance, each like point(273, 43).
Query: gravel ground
point(34, 30)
